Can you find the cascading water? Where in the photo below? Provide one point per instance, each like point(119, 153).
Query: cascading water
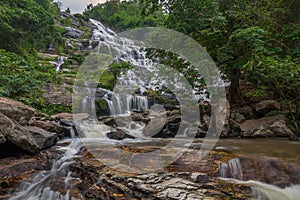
point(231, 169)
point(60, 61)
point(263, 191)
point(40, 188)
point(124, 50)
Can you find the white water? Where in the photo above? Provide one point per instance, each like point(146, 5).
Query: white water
point(60, 61)
point(145, 74)
point(231, 171)
point(40, 188)
point(263, 191)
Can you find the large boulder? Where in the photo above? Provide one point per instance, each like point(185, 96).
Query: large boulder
point(266, 127)
point(43, 138)
point(17, 134)
point(265, 106)
point(17, 111)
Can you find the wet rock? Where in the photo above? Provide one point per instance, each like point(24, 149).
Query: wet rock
point(17, 134)
point(15, 110)
point(44, 139)
point(118, 135)
point(176, 118)
point(265, 106)
point(154, 127)
point(135, 116)
point(15, 170)
point(109, 121)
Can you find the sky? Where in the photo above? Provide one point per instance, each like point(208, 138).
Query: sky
point(78, 6)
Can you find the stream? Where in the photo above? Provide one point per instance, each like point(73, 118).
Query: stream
point(266, 168)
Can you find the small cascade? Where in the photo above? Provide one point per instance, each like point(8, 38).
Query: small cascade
point(138, 102)
point(231, 169)
point(263, 191)
point(40, 188)
point(60, 61)
point(119, 105)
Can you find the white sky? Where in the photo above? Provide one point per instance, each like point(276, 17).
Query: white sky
point(78, 6)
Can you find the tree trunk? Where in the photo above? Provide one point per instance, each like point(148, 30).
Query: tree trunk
point(235, 95)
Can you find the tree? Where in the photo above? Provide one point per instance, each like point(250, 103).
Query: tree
point(26, 26)
point(235, 33)
point(123, 15)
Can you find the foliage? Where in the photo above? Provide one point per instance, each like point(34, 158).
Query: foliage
point(21, 79)
point(26, 25)
point(180, 65)
point(255, 41)
point(123, 15)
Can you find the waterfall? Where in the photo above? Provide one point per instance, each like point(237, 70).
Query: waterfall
point(231, 169)
point(263, 191)
point(124, 50)
point(40, 188)
point(60, 61)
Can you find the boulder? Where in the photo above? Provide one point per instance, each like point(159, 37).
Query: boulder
point(51, 126)
point(154, 127)
point(110, 121)
point(118, 135)
point(17, 134)
point(265, 106)
point(136, 116)
point(17, 111)
point(280, 129)
point(266, 127)
point(44, 139)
